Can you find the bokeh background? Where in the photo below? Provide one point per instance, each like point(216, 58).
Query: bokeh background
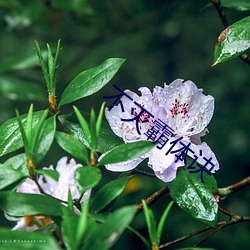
point(161, 41)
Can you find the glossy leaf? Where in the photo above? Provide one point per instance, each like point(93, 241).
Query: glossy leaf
point(18, 162)
point(19, 90)
point(127, 152)
point(151, 223)
point(90, 81)
point(84, 125)
point(105, 235)
point(16, 240)
point(8, 176)
point(233, 41)
point(53, 174)
point(10, 136)
point(108, 193)
point(20, 204)
point(69, 230)
point(107, 138)
point(195, 197)
point(241, 5)
point(73, 146)
point(46, 138)
point(162, 221)
point(87, 177)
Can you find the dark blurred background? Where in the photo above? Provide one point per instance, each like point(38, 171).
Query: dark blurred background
point(161, 41)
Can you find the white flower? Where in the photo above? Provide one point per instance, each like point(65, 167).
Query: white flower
point(58, 189)
point(181, 106)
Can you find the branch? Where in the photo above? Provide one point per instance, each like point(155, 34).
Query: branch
point(152, 198)
point(226, 23)
point(235, 220)
point(144, 173)
point(224, 192)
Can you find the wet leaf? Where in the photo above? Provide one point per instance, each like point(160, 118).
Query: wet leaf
point(241, 5)
point(20, 204)
point(195, 197)
point(9, 176)
point(108, 193)
point(107, 138)
point(73, 146)
point(126, 152)
point(90, 81)
point(10, 135)
point(87, 177)
point(233, 41)
point(46, 137)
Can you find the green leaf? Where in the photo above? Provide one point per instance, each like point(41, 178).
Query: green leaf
point(46, 138)
point(10, 136)
point(233, 41)
point(126, 152)
point(90, 81)
point(92, 127)
point(108, 193)
point(241, 5)
point(69, 230)
point(8, 176)
point(105, 235)
point(82, 223)
point(18, 162)
point(53, 174)
point(195, 197)
point(87, 177)
point(73, 146)
point(20, 204)
point(19, 90)
point(151, 223)
point(99, 121)
point(19, 63)
point(16, 240)
point(74, 228)
point(162, 221)
point(84, 125)
point(107, 138)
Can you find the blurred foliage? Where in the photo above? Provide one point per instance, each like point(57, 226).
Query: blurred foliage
point(161, 41)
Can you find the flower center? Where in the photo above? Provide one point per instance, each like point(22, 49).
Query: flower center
point(179, 109)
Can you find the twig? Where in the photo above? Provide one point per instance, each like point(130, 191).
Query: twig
point(224, 211)
point(204, 229)
point(224, 192)
point(152, 198)
point(235, 220)
point(42, 192)
point(144, 173)
point(226, 23)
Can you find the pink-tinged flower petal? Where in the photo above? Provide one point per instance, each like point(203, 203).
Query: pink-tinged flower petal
point(196, 139)
point(124, 166)
point(29, 187)
point(188, 110)
point(59, 189)
point(180, 105)
point(163, 165)
point(207, 153)
point(127, 130)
